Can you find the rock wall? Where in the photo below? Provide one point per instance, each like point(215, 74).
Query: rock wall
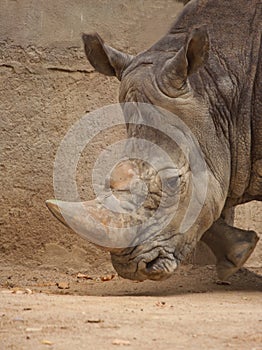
point(46, 85)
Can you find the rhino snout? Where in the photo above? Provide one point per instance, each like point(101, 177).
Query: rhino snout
point(154, 266)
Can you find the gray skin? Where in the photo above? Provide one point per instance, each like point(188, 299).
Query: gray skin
point(206, 70)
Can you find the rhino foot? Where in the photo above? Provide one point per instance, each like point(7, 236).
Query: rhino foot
point(231, 246)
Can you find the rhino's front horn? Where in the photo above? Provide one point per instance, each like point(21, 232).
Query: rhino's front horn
point(96, 223)
point(53, 206)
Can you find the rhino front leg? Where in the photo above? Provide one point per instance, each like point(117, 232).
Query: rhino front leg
point(231, 246)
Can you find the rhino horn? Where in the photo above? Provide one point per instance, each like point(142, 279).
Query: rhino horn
point(95, 222)
point(54, 206)
point(187, 61)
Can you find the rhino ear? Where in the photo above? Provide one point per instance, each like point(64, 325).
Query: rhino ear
point(197, 49)
point(187, 61)
point(105, 59)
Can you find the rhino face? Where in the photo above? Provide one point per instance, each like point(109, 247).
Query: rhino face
point(160, 245)
point(157, 247)
point(149, 244)
point(152, 250)
point(156, 257)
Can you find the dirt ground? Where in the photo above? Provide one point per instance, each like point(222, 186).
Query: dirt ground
point(50, 310)
point(46, 86)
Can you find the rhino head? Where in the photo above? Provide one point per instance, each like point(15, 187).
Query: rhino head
point(144, 242)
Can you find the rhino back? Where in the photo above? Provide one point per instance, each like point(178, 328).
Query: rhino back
point(229, 82)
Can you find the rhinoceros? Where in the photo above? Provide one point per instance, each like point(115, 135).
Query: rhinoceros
point(207, 71)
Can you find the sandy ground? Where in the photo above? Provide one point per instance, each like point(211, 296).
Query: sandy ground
point(50, 310)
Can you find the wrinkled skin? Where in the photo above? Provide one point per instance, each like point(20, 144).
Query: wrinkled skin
point(210, 79)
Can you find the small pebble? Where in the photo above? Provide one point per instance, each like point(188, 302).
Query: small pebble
point(121, 342)
point(33, 329)
point(63, 285)
point(47, 342)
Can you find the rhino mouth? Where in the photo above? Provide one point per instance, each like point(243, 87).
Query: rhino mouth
point(154, 267)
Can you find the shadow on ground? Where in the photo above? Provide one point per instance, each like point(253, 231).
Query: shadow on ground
point(188, 279)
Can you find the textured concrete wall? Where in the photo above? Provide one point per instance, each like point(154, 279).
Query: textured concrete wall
point(46, 85)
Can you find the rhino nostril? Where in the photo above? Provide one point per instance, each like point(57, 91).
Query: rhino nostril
point(161, 266)
point(151, 264)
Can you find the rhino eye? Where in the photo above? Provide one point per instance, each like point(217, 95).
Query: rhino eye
point(171, 182)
